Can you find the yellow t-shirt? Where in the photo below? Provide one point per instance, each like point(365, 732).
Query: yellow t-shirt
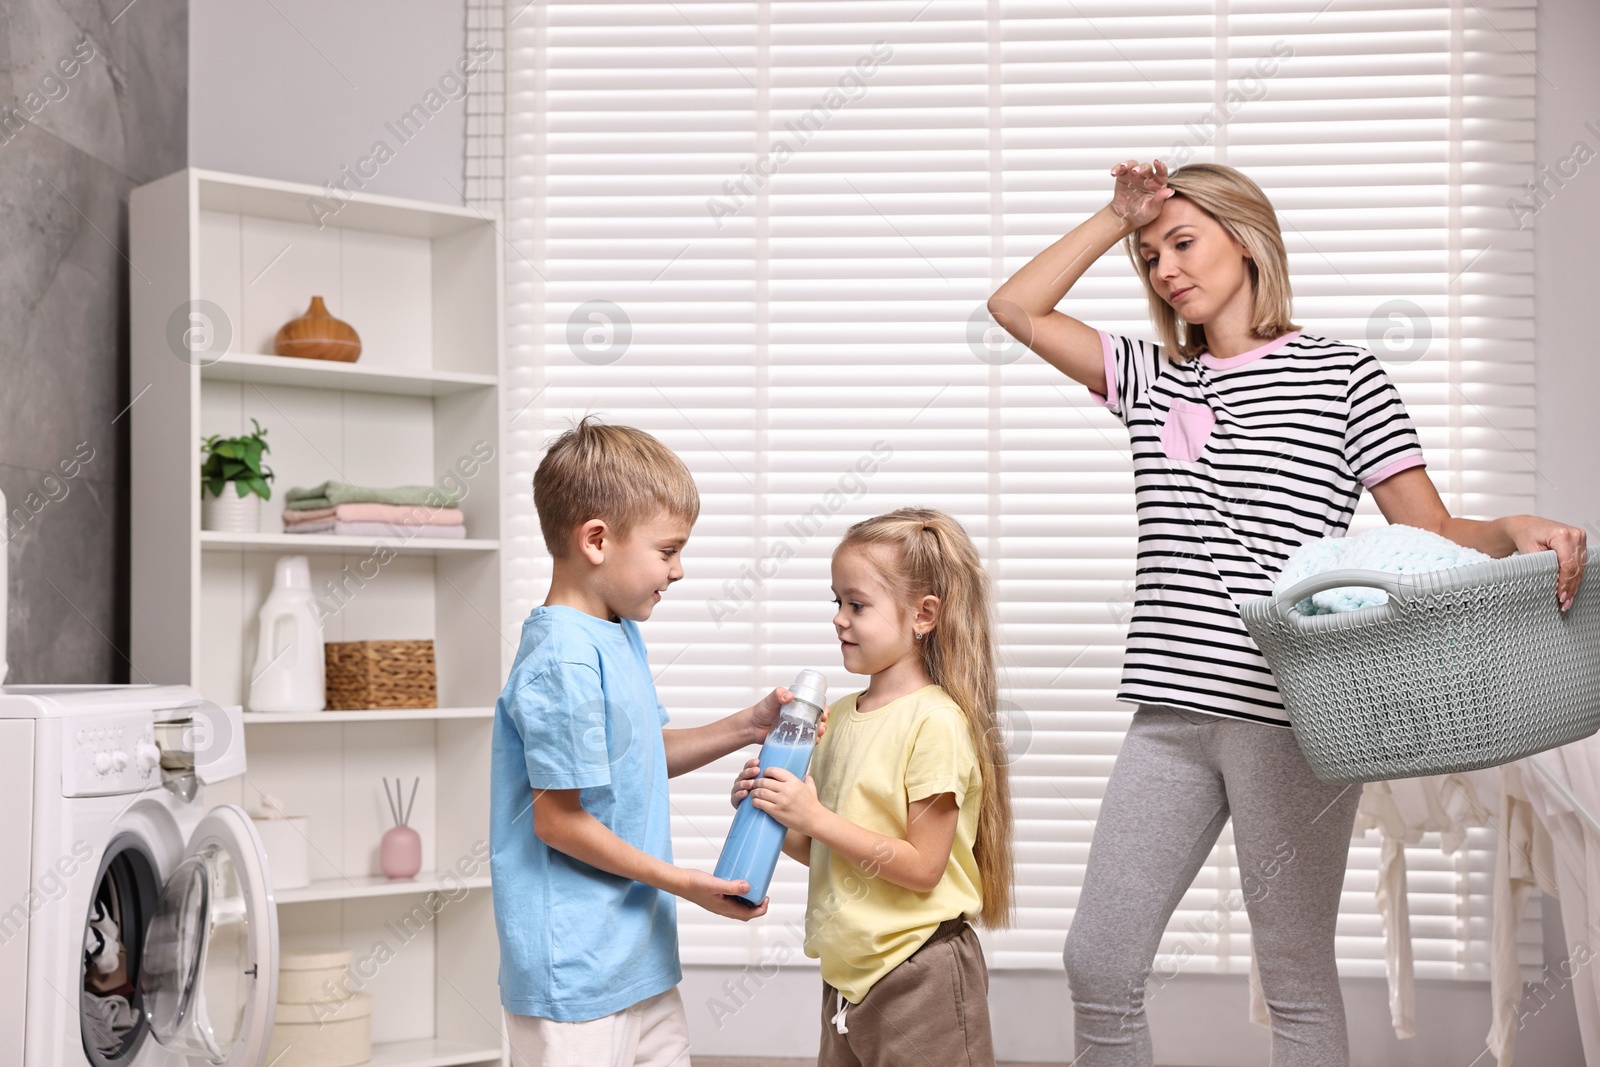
point(869, 767)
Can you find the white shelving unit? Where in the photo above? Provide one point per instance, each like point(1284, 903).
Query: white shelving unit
point(234, 258)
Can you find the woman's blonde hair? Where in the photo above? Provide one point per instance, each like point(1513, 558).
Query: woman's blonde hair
point(1243, 210)
point(920, 552)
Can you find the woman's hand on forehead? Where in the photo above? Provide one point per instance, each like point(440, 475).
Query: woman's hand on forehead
point(1139, 192)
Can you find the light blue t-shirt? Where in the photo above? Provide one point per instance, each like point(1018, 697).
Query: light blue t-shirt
point(579, 711)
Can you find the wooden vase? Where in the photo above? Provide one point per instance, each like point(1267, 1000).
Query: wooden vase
point(318, 335)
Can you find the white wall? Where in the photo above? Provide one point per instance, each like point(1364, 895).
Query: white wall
point(1568, 233)
point(298, 89)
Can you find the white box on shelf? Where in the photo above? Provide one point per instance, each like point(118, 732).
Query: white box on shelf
point(328, 1034)
point(315, 975)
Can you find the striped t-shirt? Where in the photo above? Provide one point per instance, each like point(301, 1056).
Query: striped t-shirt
point(1236, 463)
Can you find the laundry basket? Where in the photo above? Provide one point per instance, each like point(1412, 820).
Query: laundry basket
point(1463, 668)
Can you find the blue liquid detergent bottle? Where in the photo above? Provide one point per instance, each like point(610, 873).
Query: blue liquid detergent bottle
point(751, 852)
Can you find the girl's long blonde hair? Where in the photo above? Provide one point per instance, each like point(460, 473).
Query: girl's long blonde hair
point(927, 552)
point(1245, 213)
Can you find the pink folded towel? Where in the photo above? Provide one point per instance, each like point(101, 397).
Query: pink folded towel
point(395, 530)
point(401, 514)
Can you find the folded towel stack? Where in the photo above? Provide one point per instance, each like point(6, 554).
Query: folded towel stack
point(1398, 549)
point(402, 511)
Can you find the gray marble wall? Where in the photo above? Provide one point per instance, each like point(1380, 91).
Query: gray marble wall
point(93, 102)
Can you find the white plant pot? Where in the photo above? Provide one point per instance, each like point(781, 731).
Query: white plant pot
point(230, 513)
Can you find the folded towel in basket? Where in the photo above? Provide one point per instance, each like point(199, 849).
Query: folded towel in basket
point(398, 531)
point(403, 514)
point(1398, 549)
point(332, 494)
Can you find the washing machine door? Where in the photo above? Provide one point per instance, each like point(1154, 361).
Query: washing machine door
point(210, 977)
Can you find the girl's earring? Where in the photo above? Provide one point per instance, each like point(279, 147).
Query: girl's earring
point(918, 636)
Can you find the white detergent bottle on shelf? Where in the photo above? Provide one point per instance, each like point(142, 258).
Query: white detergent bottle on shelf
point(287, 673)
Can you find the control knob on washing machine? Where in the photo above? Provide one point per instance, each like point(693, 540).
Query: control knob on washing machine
point(148, 755)
point(102, 762)
point(119, 760)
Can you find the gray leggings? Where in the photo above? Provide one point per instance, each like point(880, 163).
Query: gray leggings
point(1178, 778)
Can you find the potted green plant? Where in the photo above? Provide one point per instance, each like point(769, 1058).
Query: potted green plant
point(234, 463)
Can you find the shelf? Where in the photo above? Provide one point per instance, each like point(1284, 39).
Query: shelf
point(324, 374)
point(274, 199)
point(430, 1052)
point(372, 715)
point(210, 540)
point(375, 886)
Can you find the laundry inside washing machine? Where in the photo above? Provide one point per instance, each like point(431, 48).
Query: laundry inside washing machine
point(111, 1005)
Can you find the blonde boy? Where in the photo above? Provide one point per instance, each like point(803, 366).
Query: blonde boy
point(584, 883)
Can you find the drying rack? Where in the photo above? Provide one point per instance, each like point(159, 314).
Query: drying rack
point(1559, 786)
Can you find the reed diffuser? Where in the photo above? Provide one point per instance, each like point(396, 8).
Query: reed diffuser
point(400, 853)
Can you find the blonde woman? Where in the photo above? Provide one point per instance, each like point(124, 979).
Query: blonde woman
point(1249, 438)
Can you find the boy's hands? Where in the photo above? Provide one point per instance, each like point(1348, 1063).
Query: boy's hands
point(716, 895)
point(765, 712)
point(789, 800)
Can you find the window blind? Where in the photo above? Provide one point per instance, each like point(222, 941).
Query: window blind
point(766, 231)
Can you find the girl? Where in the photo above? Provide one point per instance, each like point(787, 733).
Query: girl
point(1249, 439)
point(905, 819)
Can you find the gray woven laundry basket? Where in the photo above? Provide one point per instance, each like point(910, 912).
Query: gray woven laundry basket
point(1463, 668)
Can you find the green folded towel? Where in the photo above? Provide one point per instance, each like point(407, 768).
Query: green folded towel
point(332, 494)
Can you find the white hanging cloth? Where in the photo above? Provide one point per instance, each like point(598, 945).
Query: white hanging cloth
point(1547, 811)
point(1563, 789)
point(1523, 861)
point(1548, 840)
point(1402, 811)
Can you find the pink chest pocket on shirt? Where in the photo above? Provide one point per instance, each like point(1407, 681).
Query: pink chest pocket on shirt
point(1187, 429)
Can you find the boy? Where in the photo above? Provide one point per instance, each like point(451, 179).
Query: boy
point(581, 850)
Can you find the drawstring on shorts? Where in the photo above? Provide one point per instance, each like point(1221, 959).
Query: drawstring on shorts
point(838, 1016)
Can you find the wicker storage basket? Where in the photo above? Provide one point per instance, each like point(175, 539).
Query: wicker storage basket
point(379, 674)
point(1463, 668)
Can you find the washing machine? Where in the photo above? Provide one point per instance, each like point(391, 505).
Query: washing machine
point(139, 927)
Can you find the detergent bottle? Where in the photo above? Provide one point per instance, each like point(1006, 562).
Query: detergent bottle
point(750, 854)
point(287, 673)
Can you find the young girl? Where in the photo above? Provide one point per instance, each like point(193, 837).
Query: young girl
point(905, 819)
point(1249, 439)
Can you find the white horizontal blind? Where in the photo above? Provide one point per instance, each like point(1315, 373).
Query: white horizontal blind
point(765, 232)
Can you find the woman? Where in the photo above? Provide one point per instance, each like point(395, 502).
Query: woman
point(1249, 439)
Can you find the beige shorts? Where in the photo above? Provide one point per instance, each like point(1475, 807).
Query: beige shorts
point(651, 1033)
point(932, 1009)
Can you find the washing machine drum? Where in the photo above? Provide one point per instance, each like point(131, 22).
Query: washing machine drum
point(207, 965)
point(111, 1010)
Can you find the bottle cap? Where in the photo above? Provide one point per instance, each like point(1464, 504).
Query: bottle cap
point(292, 572)
point(811, 687)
